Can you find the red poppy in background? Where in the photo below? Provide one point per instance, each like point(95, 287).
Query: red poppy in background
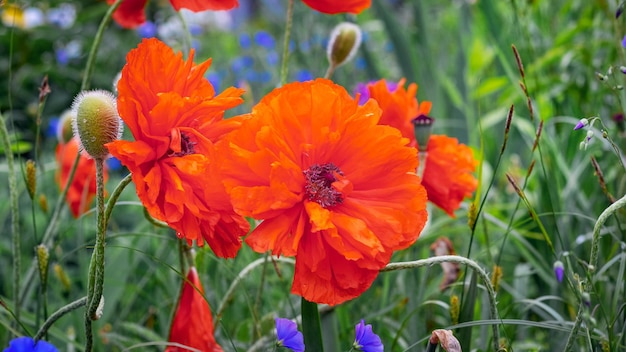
point(338, 6)
point(176, 119)
point(333, 188)
point(82, 190)
point(131, 13)
point(193, 322)
point(449, 165)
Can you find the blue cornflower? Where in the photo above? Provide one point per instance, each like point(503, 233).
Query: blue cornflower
point(264, 39)
point(147, 30)
point(27, 344)
point(288, 335)
point(366, 340)
point(304, 75)
point(244, 41)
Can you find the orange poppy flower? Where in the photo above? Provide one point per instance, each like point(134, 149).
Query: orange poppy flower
point(449, 165)
point(338, 6)
point(130, 13)
point(83, 187)
point(175, 117)
point(193, 323)
point(333, 188)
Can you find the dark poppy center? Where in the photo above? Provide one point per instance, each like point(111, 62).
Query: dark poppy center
point(186, 147)
point(319, 180)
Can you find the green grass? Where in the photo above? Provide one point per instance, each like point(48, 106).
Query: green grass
point(460, 55)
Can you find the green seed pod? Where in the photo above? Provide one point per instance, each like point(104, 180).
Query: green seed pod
point(96, 121)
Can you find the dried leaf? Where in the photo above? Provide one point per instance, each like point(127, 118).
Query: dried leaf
point(446, 339)
point(443, 246)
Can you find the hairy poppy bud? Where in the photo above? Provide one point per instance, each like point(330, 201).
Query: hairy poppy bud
point(345, 40)
point(96, 121)
point(64, 128)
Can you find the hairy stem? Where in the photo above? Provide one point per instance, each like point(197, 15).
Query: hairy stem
point(491, 292)
point(58, 314)
point(284, 65)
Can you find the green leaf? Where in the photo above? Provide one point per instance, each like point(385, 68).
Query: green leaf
point(311, 327)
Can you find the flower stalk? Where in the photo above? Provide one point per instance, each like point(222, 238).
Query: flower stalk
point(311, 326)
point(491, 292)
point(284, 65)
point(15, 227)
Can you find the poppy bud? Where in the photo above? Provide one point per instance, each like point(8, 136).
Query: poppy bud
point(31, 178)
point(64, 128)
point(96, 121)
point(345, 39)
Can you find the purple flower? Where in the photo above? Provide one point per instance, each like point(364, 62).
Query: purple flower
point(304, 75)
point(27, 344)
point(366, 340)
point(559, 271)
point(363, 89)
point(147, 30)
point(244, 41)
point(288, 335)
point(264, 39)
point(582, 123)
point(624, 42)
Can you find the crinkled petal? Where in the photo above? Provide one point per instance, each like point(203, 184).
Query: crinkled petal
point(335, 6)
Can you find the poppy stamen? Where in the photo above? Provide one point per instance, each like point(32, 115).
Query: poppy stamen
point(319, 180)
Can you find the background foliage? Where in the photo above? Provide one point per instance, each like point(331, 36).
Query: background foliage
point(459, 52)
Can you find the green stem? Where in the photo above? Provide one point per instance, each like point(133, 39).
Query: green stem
point(311, 326)
point(96, 266)
point(596, 230)
point(593, 261)
point(491, 292)
point(575, 328)
point(242, 274)
point(115, 196)
point(15, 229)
point(96, 44)
point(284, 66)
point(48, 236)
point(58, 314)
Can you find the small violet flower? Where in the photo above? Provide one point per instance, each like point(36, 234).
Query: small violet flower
point(26, 343)
point(582, 123)
point(559, 271)
point(366, 340)
point(288, 335)
point(624, 42)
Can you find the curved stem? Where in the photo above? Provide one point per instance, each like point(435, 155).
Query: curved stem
point(596, 230)
point(493, 308)
point(115, 196)
point(96, 44)
point(58, 314)
point(231, 290)
point(15, 229)
point(593, 262)
point(284, 65)
point(96, 266)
